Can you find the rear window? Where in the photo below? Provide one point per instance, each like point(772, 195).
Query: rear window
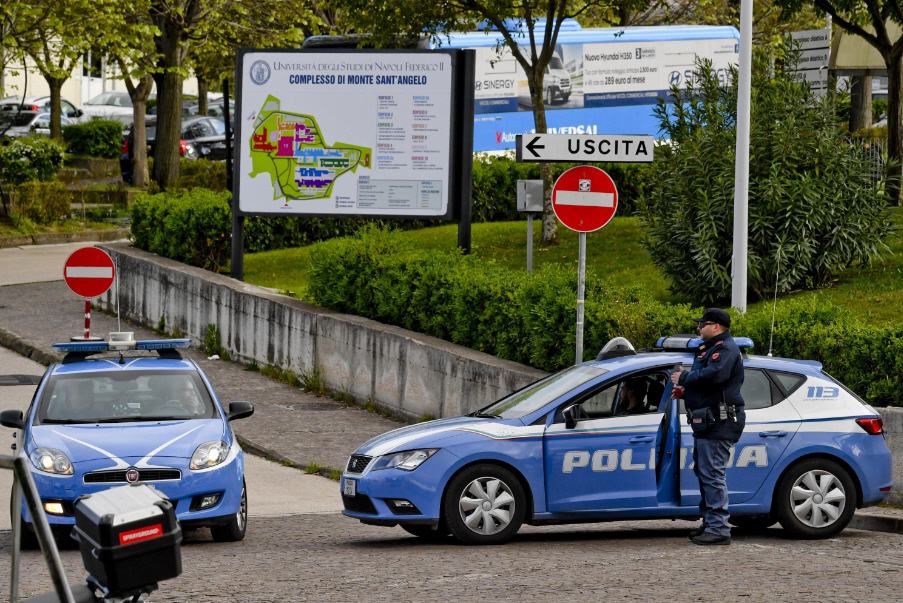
point(125, 396)
point(790, 382)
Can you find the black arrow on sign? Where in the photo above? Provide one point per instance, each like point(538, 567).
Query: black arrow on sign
point(532, 146)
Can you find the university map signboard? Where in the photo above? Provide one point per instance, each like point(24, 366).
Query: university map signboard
point(349, 133)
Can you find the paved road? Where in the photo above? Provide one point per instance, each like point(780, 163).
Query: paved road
point(35, 263)
point(273, 490)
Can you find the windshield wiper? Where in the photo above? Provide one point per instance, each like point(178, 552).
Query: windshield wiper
point(67, 421)
point(483, 415)
point(137, 419)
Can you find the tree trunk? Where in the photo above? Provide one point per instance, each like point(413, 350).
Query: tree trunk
point(860, 103)
point(894, 143)
point(56, 124)
point(202, 96)
point(169, 111)
point(549, 232)
point(140, 175)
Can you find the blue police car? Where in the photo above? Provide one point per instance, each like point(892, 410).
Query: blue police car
point(603, 440)
point(95, 423)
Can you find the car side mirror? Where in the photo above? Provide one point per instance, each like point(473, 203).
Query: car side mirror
point(14, 419)
point(79, 112)
point(570, 417)
point(240, 410)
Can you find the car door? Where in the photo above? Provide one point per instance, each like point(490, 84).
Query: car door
point(607, 461)
point(770, 425)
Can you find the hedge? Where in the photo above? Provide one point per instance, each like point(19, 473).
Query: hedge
point(30, 158)
point(42, 202)
point(528, 318)
point(95, 138)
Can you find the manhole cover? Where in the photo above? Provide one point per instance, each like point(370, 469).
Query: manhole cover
point(19, 379)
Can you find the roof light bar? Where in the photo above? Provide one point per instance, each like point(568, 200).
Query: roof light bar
point(163, 344)
point(120, 344)
point(92, 347)
point(689, 342)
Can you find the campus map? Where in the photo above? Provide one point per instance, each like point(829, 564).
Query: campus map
point(290, 147)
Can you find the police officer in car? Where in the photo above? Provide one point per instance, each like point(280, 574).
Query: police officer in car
point(715, 413)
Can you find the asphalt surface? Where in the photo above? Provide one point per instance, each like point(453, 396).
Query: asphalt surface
point(35, 263)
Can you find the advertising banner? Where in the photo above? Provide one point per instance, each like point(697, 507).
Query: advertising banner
point(345, 133)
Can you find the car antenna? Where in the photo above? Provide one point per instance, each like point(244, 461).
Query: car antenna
point(774, 308)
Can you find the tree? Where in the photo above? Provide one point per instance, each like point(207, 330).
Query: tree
point(868, 19)
point(529, 28)
point(801, 222)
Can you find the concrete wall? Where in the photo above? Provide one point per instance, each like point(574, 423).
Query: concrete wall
point(407, 373)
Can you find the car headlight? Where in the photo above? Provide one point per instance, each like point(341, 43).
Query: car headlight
point(51, 460)
point(407, 460)
point(209, 454)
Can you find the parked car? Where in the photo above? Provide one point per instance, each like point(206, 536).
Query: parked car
point(41, 104)
point(25, 123)
point(202, 138)
point(110, 105)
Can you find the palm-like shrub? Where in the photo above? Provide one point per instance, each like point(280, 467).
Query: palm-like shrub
point(814, 200)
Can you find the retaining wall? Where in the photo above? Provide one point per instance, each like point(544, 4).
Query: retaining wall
point(410, 374)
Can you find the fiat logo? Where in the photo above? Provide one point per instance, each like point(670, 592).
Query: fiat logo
point(131, 476)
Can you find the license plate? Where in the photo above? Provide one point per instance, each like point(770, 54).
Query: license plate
point(350, 487)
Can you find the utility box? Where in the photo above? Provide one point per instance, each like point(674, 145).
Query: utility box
point(129, 539)
point(529, 195)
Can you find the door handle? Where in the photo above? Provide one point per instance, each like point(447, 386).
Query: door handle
point(641, 439)
point(772, 434)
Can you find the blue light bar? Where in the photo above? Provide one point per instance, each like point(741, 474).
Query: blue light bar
point(92, 347)
point(687, 342)
point(162, 344)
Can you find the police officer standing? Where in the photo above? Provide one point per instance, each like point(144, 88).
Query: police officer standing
point(715, 413)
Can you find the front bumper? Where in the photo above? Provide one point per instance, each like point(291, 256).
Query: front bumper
point(423, 487)
point(227, 479)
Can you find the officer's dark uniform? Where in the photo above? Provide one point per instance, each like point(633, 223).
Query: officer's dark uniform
point(715, 380)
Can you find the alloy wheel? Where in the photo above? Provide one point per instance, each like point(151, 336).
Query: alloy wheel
point(486, 505)
point(817, 498)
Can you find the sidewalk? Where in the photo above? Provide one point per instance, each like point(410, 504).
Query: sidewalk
point(288, 425)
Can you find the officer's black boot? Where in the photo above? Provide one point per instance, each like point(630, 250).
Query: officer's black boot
point(695, 532)
point(707, 538)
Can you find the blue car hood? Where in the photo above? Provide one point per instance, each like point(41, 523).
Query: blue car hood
point(118, 441)
point(424, 434)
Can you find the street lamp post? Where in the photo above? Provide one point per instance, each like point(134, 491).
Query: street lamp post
point(741, 169)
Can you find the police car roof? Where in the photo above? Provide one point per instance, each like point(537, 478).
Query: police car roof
point(647, 360)
point(149, 363)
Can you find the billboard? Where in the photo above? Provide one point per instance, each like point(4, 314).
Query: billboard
point(588, 88)
point(338, 133)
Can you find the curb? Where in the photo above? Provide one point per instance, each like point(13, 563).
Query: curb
point(874, 522)
point(271, 455)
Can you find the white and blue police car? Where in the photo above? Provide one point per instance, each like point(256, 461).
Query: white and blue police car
point(603, 440)
point(95, 423)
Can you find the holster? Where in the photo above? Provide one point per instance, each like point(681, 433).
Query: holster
point(700, 419)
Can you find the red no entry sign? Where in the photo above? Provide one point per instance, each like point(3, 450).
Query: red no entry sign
point(585, 198)
point(89, 272)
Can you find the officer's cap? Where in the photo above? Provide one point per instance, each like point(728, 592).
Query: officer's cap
point(716, 315)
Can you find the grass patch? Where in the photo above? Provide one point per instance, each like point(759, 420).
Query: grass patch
point(313, 468)
point(8, 227)
point(335, 474)
point(253, 367)
point(873, 293)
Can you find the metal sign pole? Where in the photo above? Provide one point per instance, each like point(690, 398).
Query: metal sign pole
point(529, 242)
point(237, 265)
point(741, 167)
point(581, 281)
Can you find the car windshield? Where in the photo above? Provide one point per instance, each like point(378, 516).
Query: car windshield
point(17, 119)
point(125, 396)
point(535, 396)
point(555, 63)
point(116, 99)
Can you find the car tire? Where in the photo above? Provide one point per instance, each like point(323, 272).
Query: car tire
point(814, 499)
point(499, 515)
point(235, 529)
point(427, 533)
point(753, 524)
point(550, 97)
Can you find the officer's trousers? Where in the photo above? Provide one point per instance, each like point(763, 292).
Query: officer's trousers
point(710, 463)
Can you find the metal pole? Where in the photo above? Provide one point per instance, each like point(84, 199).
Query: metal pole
point(87, 319)
point(237, 267)
point(118, 306)
point(529, 242)
point(17, 539)
point(741, 168)
point(42, 530)
point(581, 281)
point(465, 87)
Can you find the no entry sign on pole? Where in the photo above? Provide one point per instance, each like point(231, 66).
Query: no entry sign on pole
point(585, 198)
point(89, 272)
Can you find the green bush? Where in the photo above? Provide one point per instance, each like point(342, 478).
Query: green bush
point(867, 359)
point(192, 227)
point(495, 185)
point(797, 210)
point(96, 138)
point(30, 158)
point(200, 173)
point(43, 202)
point(528, 318)
point(879, 108)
